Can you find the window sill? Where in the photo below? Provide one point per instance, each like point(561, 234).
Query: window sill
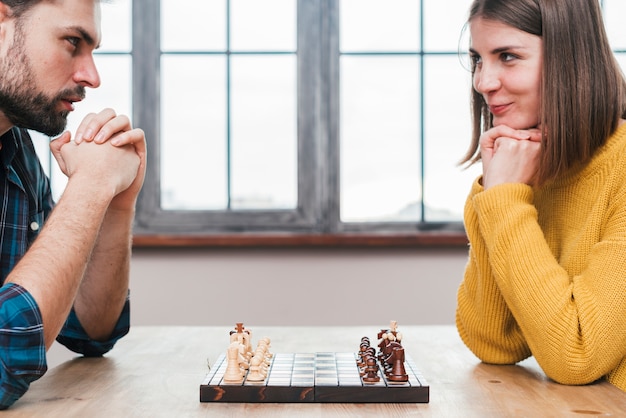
point(422, 239)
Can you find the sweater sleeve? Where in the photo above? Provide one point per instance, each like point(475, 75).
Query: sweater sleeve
point(564, 320)
point(483, 319)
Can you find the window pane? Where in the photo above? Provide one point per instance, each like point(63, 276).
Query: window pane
point(379, 25)
point(114, 91)
point(193, 133)
point(42, 148)
point(443, 25)
point(614, 12)
point(264, 132)
point(263, 25)
point(447, 133)
point(116, 26)
point(380, 154)
point(621, 60)
point(193, 25)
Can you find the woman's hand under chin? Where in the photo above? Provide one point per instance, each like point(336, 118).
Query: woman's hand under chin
point(510, 155)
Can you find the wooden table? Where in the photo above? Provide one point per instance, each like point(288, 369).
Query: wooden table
point(157, 371)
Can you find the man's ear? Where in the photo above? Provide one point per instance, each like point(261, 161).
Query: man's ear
point(5, 12)
point(6, 15)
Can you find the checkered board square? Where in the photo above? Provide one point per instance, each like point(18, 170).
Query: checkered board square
point(314, 377)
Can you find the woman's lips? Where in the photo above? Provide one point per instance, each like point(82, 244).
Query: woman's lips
point(499, 109)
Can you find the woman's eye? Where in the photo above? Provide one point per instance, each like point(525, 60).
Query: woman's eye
point(507, 57)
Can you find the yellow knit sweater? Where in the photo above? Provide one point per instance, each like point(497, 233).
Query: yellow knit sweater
point(546, 274)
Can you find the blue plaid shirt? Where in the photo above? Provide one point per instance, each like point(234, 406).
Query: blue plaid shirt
point(26, 201)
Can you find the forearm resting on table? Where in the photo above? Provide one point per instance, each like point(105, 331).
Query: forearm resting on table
point(52, 269)
point(104, 289)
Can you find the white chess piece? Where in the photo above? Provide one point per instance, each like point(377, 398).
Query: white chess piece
point(233, 373)
point(256, 371)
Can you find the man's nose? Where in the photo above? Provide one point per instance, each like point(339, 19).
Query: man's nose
point(86, 73)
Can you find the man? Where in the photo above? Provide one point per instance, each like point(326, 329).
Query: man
point(71, 283)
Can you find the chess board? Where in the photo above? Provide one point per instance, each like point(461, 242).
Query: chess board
point(314, 377)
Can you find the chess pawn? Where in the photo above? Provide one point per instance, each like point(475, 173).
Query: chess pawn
point(371, 371)
point(233, 372)
point(362, 349)
point(261, 354)
point(256, 373)
point(363, 364)
point(369, 352)
point(265, 343)
point(365, 341)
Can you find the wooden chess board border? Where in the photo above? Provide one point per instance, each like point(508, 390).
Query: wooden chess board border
point(317, 378)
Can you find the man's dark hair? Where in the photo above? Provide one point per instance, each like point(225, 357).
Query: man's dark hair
point(18, 7)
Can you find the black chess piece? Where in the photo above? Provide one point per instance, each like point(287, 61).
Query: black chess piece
point(371, 371)
point(397, 372)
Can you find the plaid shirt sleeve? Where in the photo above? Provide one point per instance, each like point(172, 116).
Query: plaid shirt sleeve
point(74, 337)
point(22, 348)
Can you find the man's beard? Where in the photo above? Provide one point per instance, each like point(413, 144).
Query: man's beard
point(27, 109)
point(19, 100)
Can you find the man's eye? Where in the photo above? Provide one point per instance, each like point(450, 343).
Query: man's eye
point(73, 40)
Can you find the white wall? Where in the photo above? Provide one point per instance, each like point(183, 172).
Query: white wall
point(295, 286)
point(291, 287)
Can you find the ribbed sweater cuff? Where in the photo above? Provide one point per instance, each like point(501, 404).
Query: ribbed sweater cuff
point(501, 204)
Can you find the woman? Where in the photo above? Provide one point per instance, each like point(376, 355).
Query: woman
point(546, 274)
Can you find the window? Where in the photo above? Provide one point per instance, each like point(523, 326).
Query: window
point(296, 116)
point(302, 116)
